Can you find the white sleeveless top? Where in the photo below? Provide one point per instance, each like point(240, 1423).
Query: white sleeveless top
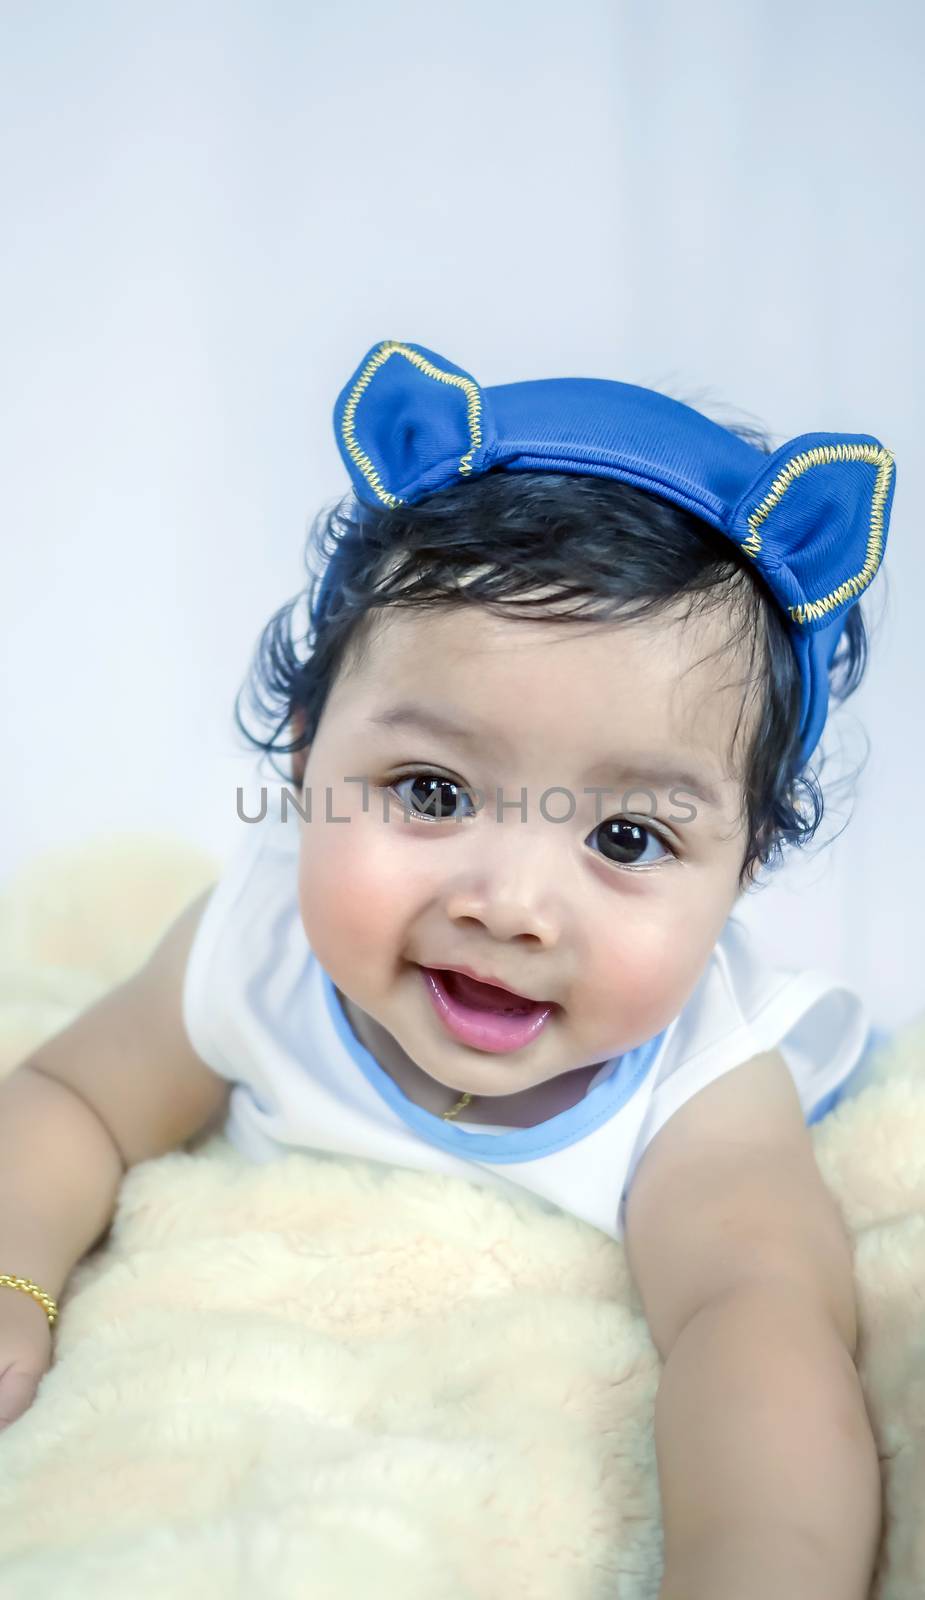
point(262, 1013)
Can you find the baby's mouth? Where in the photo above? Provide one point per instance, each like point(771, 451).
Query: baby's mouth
point(486, 996)
point(483, 1016)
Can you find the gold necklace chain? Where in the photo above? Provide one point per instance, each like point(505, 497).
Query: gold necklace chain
point(460, 1105)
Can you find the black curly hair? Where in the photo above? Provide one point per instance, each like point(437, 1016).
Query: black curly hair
point(607, 549)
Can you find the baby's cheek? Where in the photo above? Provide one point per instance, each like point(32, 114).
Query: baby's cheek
point(324, 867)
point(650, 976)
point(350, 900)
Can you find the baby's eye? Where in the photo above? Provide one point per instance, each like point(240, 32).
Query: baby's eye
point(626, 843)
point(431, 795)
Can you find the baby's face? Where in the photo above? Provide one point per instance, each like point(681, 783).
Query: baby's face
point(611, 914)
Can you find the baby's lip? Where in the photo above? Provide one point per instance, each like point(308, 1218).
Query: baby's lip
point(495, 983)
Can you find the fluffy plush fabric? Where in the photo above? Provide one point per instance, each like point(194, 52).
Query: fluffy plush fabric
point(329, 1378)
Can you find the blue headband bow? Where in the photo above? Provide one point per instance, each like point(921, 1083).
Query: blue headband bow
point(813, 516)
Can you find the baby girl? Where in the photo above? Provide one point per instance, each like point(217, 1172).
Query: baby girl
point(567, 665)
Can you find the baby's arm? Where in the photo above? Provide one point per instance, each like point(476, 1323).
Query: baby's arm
point(120, 1085)
point(768, 1470)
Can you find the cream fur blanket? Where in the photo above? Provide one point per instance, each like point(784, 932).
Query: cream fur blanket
point(330, 1378)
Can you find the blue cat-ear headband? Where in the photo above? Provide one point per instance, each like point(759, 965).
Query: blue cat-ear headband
point(813, 516)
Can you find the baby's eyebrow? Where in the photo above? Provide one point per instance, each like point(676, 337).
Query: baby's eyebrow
point(660, 773)
point(637, 769)
point(436, 722)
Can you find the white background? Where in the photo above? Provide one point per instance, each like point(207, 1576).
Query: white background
point(211, 211)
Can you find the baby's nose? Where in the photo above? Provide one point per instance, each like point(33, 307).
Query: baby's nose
point(512, 893)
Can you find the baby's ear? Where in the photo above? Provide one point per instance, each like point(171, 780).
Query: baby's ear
point(299, 758)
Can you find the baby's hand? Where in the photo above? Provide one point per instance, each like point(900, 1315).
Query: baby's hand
point(25, 1352)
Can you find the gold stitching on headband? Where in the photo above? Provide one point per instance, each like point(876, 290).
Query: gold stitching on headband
point(875, 455)
point(391, 347)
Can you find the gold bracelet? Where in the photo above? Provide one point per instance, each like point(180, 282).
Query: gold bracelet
point(44, 1300)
